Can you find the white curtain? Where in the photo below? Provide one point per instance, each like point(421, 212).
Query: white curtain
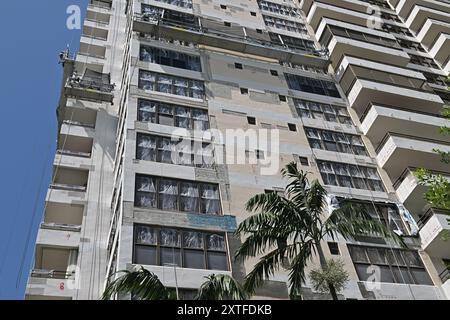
point(190, 195)
point(146, 148)
point(216, 242)
point(170, 238)
point(210, 196)
point(146, 235)
point(168, 191)
point(193, 240)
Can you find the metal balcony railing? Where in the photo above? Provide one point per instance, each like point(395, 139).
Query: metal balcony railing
point(60, 226)
point(73, 153)
point(52, 274)
point(78, 124)
point(445, 275)
point(67, 187)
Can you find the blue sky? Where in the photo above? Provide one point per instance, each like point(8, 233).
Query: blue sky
point(32, 34)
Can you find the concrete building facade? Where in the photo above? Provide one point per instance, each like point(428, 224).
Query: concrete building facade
point(352, 91)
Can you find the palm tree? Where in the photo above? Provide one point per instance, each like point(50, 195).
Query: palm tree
point(145, 285)
point(287, 230)
point(221, 287)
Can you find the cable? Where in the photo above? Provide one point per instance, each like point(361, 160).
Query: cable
point(30, 226)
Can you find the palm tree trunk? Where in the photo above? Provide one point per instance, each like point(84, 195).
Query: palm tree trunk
point(323, 265)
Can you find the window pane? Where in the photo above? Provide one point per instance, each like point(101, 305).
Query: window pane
point(421, 276)
point(145, 255)
point(193, 240)
point(189, 197)
point(146, 235)
point(170, 256)
point(168, 195)
point(217, 261)
point(194, 259)
point(215, 242)
point(402, 275)
point(210, 199)
point(170, 238)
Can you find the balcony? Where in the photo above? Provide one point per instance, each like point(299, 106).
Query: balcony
point(354, 12)
point(360, 42)
point(63, 216)
point(440, 51)
point(411, 193)
point(431, 31)
point(92, 48)
point(102, 4)
point(53, 273)
point(99, 19)
point(63, 236)
point(93, 32)
point(366, 83)
point(405, 8)
point(434, 226)
point(420, 14)
point(54, 262)
point(239, 39)
point(356, 6)
point(378, 118)
point(91, 86)
point(74, 146)
point(397, 152)
point(69, 179)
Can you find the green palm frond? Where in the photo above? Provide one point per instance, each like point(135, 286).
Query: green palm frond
point(268, 265)
point(297, 274)
point(141, 284)
point(221, 287)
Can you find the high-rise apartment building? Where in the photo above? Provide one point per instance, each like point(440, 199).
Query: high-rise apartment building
point(352, 90)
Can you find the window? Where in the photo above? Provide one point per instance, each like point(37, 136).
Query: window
point(303, 160)
point(322, 111)
point(395, 265)
point(166, 150)
point(172, 115)
point(334, 248)
point(335, 141)
point(251, 120)
point(350, 176)
point(278, 8)
point(282, 98)
point(386, 213)
point(183, 248)
point(170, 15)
point(178, 3)
point(316, 86)
point(170, 58)
point(227, 24)
point(244, 91)
point(284, 24)
point(292, 42)
point(177, 195)
point(222, 6)
point(252, 13)
point(164, 83)
point(260, 155)
point(274, 73)
point(292, 127)
point(238, 65)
